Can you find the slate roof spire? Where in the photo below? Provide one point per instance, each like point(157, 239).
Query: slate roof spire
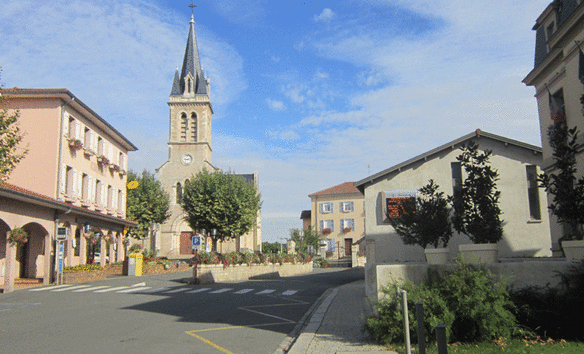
point(191, 65)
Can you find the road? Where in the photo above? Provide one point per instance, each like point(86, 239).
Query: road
point(159, 313)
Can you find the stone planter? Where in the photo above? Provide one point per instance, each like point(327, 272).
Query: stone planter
point(436, 256)
point(574, 250)
point(479, 253)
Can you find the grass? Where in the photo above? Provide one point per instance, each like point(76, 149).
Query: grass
point(521, 346)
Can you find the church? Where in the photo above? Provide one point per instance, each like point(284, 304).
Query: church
point(190, 151)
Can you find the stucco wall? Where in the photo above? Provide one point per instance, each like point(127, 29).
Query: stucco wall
point(522, 236)
point(207, 273)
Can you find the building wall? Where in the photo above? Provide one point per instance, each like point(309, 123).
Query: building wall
point(522, 235)
point(339, 237)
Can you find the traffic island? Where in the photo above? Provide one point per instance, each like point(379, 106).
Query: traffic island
point(219, 273)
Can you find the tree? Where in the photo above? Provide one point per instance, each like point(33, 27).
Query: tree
point(568, 193)
point(476, 204)
point(146, 204)
point(223, 202)
point(270, 247)
point(10, 137)
point(311, 237)
point(424, 220)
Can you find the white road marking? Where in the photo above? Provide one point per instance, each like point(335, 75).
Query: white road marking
point(91, 289)
point(289, 292)
point(51, 287)
point(198, 290)
point(156, 290)
point(244, 291)
point(112, 289)
point(133, 289)
point(267, 291)
point(176, 290)
point(72, 287)
point(221, 291)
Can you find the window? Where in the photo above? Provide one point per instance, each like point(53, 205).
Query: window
point(72, 128)
point(100, 146)
point(193, 126)
point(183, 126)
point(326, 208)
point(456, 172)
point(550, 30)
point(179, 192)
point(98, 193)
point(557, 107)
point(533, 192)
point(110, 197)
point(120, 201)
point(77, 241)
point(87, 139)
point(347, 225)
point(70, 181)
point(121, 160)
point(327, 226)
point(85, 188)
point(347, 207)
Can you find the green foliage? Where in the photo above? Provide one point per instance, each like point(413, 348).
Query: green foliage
point(425, 220)
point(233, 258)
point(10, 137)
point(467, 300)
point(147, 204)
point(311, 237)
point(220, 201)
point(82, 268)
point(568, 201)
point(563, 319)
point(134, 248)
point(476, 205)
point(271, 247)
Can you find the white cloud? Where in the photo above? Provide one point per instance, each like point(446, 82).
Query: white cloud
point(320, 75)
point(276, 105)
point(326, 16)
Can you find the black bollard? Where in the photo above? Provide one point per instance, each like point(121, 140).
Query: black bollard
point(441, 339)
point(421, 335)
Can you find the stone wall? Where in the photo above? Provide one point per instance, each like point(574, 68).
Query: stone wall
point(517, 274)
point(118, 270)
point(210, 273)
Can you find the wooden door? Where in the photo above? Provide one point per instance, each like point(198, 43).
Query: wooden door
point(186, 243)
point(348, 245)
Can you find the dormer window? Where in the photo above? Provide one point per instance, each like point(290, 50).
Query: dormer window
point(189, 84)
point(550, 30)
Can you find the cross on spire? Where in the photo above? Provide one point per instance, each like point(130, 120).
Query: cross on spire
point(192, 6)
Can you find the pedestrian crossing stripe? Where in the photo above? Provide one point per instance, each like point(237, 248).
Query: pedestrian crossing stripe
point(198, 290)
point(221, 291)
point(133, 289)
point(243, 291)
point(51, 287)
point(71, 288)
point(176, 290)
point(150, 290)
point(112, 289)
point(289, 292)
point(267, 291)
point(90, 289)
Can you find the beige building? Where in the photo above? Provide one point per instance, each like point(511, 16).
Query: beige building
point(73, 177)
point(558, 78)
point(526, 223)
point(337, 213)
point(190, 152)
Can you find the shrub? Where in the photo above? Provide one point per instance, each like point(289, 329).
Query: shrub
point(82, 268)
point(467, 300)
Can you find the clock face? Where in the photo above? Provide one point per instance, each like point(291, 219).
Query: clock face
point(187, 159)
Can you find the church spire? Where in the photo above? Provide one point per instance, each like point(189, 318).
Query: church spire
point(192, 79)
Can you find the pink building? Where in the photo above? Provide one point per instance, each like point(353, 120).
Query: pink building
point(73, 177)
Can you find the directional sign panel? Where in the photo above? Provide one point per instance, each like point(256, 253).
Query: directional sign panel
point(196, 242)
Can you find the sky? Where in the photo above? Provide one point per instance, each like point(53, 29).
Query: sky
point(309, 94)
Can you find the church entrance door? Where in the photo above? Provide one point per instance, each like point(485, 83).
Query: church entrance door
point(186, 243)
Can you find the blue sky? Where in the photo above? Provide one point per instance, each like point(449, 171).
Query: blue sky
point(310, 94)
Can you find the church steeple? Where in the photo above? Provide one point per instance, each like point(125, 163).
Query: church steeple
point(192, 78)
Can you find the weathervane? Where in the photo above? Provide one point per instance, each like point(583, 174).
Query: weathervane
point(192, 6)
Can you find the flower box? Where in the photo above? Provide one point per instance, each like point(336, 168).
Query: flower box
point(326, 231)
point(75, 144)
point(114, 167)
point(103, 160)
point(479, 253)
point(347, 230)
point(88, 152)
point(573, 249)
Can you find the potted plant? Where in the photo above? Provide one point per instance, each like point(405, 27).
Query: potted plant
point(17, 236)
point(568, 192)
point(103, 160)
point(326, 231)
point(476, 206)
point(347, 230)
point(425, 221)
point(75, 144)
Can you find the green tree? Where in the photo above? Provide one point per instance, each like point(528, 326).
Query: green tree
point(223, 202)
point(10, 137)
point(424, 220)
point(270, 247)
point(146, 204)
point(311, 237)
point(476, 204)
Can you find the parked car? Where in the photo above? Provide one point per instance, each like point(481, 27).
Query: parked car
point(97, 258)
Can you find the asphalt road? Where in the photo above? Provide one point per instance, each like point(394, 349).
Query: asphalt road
point(159, 313)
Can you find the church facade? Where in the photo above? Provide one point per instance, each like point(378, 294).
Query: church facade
point(190, 152)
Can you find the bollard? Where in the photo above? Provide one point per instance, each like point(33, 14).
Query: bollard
point(441, 339)
point(421, 335)
point(406, 322)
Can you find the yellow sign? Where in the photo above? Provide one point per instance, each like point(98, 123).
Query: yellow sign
point(133, 185)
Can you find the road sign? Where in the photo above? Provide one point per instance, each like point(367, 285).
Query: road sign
point(60, 254)
point(196, 242)
point(61, 233)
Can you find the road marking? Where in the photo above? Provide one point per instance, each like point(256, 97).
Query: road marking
point(51, 287)
point(176, 290)
point(289, 292)
point(91, 289)
point(72, 287)
point(267, 291)
point(244, 291)
point(156, 290)
point(221, 291)
point(112, 289)
point(198, 290)
point(133, 289)
point(192, 333)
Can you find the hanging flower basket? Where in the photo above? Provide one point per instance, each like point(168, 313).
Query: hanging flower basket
point(114, 167)
point(126, 241)
point(75, 144)
point(103, 160)
point(17, 236)
point(122, 172)
point(91, 238)
point(326, 231)
point(347, 229)
point(108, 238)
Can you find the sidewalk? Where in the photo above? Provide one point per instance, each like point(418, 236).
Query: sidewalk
point(335, 326)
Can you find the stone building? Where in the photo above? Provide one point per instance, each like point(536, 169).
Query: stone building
point(190, 152)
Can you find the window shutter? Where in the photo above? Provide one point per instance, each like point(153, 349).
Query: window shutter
point(332, 210)
point(63, 180)
point(321, 209)
point(322, 225)
point(74, 183)
point(77, 130)
point(332, 227)
point(352, 224)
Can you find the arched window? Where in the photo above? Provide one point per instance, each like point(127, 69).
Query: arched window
point(184, 123)
point(179, 192)
point(193, 126)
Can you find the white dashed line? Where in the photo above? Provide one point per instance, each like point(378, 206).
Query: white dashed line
point(112, 289)
point(267, 291)
point(289, 292)
point(244, 291)
point(90, 289)
point(221, 291)
point(133, 289)
point(72, 287)
point(198, 290)
point(51, 287)
point(176, 290)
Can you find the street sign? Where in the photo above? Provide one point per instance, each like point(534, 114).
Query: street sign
point(196, 242)
point(61, 233)
point(60, 255)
